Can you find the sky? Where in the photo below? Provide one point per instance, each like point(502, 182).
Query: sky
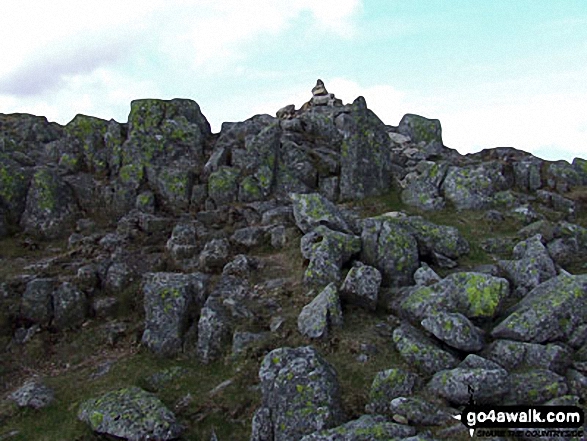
point(495, 73)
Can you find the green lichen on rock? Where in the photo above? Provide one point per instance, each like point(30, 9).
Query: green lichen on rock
point(223, 185)
point(130, 413)
point(46, 186)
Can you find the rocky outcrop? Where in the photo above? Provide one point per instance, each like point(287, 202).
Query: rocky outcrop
point(456, 275)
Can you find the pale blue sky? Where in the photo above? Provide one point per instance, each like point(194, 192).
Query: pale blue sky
point(495, 72)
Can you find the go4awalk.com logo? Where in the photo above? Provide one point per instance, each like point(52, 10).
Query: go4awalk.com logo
point(524, 421)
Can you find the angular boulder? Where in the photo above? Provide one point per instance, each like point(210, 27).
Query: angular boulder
point(301, 395)
point(321, 314)
point(471, 294)
point(489, 385)
point(391, 249)
point(361, 286)
point(312, 210)
point(388, 385)
point(454, 329)
point(550, 312)
point(171, 300)
point(421, 352)
point(131, 414)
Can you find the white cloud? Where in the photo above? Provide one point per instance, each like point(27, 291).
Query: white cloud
point(551, 126)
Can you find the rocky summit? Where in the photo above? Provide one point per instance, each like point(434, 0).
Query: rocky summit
point(314, 275)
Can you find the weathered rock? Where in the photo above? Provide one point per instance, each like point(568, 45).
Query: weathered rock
point(70, 306)
point(550, 312)
point(471, 294)
point(426, 276)
point(455, 330)
point(300, 392)
point(118, 277)
point(249, 237)
point(214, 329)
point(562, 176)
point(514, 354)
point(366, 167)
point(489, 385)
point(37, 301)
point(532, 266)
point(328, 255)
point(390, 384)
point(569, 243)
point(312, 210)
point(422, 195)
point(14, 184)
point(165, 146)
point(418, 412)
point(33, 393)
point(321, 313)
point(421, 352)
point(131, 414)
point(361, 286)
point(535, 387)
point(391, 249)
point(146, 202)
point(214, 255)
point(171, 300)
point(365, 428)
point(241, 266)
point(432, 238)
point(420, 129)
point(471, 187)
point(183, 242)
point(223, 186)
point(51, 209)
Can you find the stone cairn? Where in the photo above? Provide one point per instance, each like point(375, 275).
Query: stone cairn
point(320, 97)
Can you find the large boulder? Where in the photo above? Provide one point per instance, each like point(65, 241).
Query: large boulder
point(70, 306)
point(366, 167)
point(489, 385)
point(472, 187)
point(312, 210)
point(421, 352)
point(37, 301)
point(165, 147)
point(214, 329)
point(327, 251)
point(420, 129)
point(391, 249)
point(171, 301)
point(131, 414)
point(531, 266)
point(390, 384)
point(34, 394)
point(51, 209)
point(301, 395)
point(475, 295)
point(321, 313)
point(535, 387)
point(518, 355)
point(434, 240)
point(454, 329)
point(550, 312)
point(361, 286)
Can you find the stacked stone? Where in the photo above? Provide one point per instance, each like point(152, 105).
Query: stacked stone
point(321, 97)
